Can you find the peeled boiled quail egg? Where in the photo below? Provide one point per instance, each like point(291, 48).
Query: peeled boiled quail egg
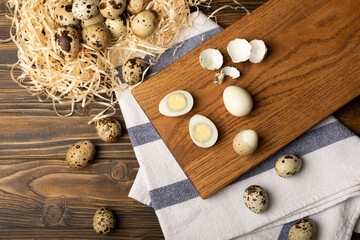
point(203, 131)
point(237, 101)
point(176, 103)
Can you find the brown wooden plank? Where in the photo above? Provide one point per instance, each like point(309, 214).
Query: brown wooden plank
point(311, 57)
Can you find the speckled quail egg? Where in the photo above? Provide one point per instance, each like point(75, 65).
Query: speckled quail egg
point(286, 166)
point(203, 131)
point(256, 199)
point(237, 101)
point(96, 36)
point(64, 15)
point(98, 19)
point(108, 129)
point(305, 229)
point(136, 6)
point(245, 142)
point(112, 8)
point(144, 23)
point(85, 9)
point(80, 154)
point(133, 70)
point(176, 103)
point(103, 221)
point(67, 42)
point(117, 27)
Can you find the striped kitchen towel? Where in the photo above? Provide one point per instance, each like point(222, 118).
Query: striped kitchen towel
point(327, 188)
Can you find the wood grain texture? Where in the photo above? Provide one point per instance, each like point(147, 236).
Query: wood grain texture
point(311, 57)
point(33, 204)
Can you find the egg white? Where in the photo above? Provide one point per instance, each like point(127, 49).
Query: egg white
point(166, 111)
point(198, 119)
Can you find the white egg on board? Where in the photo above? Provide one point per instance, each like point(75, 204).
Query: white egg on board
point(237, 101)
point(203, 131)
point(176, 103)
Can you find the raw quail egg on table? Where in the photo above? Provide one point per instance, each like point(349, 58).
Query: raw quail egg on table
point(176, 103)
point(256, 199)
point(305, 229)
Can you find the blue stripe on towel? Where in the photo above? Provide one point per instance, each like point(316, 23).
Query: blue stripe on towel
point(308, 142)
point(142, 134)
point(172, 194)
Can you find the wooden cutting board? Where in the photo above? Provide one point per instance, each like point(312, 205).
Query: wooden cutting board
point(311, 70)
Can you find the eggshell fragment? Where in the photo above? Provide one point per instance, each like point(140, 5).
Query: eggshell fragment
point(80, 154)
point(258, 51)
point(144, 23)
point(305, 229)
point(239, 50)
point(256, 199)
point(103, 221)
point(245, 142)
point(288, 165)
point(237, 101)
point(211, 59)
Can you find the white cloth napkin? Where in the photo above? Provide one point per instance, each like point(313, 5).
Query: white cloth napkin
point(327, 188)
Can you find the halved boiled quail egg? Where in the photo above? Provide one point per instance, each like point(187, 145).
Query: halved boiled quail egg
point(176, 103)
point(203, 131)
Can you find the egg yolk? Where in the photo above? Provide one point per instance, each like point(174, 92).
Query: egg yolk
point(201, 132)
point(176, 102)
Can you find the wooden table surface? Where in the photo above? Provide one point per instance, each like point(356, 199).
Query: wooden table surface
point(40, 196)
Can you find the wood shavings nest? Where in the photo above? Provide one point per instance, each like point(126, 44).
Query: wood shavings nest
point(92, 76)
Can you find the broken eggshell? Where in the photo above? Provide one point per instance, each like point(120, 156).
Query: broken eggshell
point(211, 59)
point(226, 71)
point(258, 51)
point(239, 50)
